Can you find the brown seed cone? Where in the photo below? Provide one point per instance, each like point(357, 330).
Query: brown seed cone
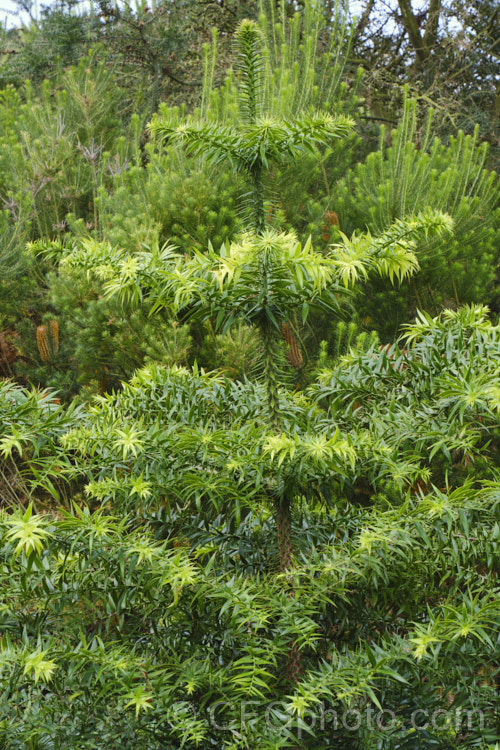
point(47, 339)
point(42, 340)
point(332, 218)
point(54, 336)
point(293, 354)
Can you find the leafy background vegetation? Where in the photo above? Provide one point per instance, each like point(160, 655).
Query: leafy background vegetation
point(249, 360)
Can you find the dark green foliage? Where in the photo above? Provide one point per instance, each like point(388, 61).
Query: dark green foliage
point(55, 147)
point(29, 462)
point(59, 39)
point(341, 339)
point(303, 192)
point(156, 52)
point(396, 590)
point(447, 369)
point(14, 231)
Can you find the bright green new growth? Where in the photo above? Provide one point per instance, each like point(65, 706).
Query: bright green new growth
point(263, 279)
point(304, 59)
point(305, 63)
point(420, 171)
point(266, 278)
point(259, 139)
point(415, 173)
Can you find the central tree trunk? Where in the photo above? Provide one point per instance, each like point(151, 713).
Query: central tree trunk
point(282, 510)
point(294, 665)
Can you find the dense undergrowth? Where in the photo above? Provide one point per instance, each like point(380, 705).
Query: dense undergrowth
point(249, 434)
